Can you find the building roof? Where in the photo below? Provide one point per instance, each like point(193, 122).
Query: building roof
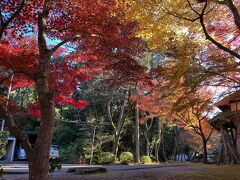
point(226, 118)
point(225, 102)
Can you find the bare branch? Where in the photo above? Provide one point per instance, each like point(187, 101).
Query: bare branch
point(190, 5)
point(180, 16)
point(62, 43)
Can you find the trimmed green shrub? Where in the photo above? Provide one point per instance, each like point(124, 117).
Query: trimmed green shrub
point(126, 158)
point(106, 158)
point(146, 160)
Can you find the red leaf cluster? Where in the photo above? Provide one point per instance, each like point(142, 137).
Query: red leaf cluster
point(80, 104)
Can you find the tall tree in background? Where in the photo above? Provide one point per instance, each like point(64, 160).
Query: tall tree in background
point(193, 115)
point(117, 111)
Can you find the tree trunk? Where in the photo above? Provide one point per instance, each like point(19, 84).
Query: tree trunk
point(118, 127)
point(137, 143)
point(158, 140)
point(116, 143)
point(93, 142)
point(163, 140)
point(156, 150)
point(147, 142)
point(39, 163)
point(220, 154)
point(175, 143)
point(204, 150)
point(226, 151)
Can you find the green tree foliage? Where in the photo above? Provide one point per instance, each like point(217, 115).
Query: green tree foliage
point(3, 142)
point(106, 158)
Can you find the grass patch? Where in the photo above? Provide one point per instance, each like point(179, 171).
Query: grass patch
point(213, 172)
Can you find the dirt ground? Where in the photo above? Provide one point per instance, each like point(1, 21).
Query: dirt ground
point(188, 172)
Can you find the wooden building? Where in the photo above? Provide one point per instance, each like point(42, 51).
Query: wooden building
point(228, 123)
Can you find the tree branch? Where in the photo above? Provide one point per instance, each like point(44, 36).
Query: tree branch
point(192, 8)
point(4, 79)
point(209, 135)
point(222, 75)
point(109, 115)
point(156, 86)
point(220, 46)
point(5, 24)
point(42, 20)
point(62, 43)
point(234, 11)
point(122, 117)
point(6, 115)
point(201, 18)
point(179, 16)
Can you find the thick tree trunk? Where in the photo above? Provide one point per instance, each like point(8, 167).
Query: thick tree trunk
point(39, 163)
point(204, 151)
point(137, 143)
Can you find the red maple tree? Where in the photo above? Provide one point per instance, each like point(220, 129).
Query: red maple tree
point(42, 43)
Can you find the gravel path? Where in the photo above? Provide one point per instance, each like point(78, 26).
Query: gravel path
point(172, 171)
point(154, 173)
